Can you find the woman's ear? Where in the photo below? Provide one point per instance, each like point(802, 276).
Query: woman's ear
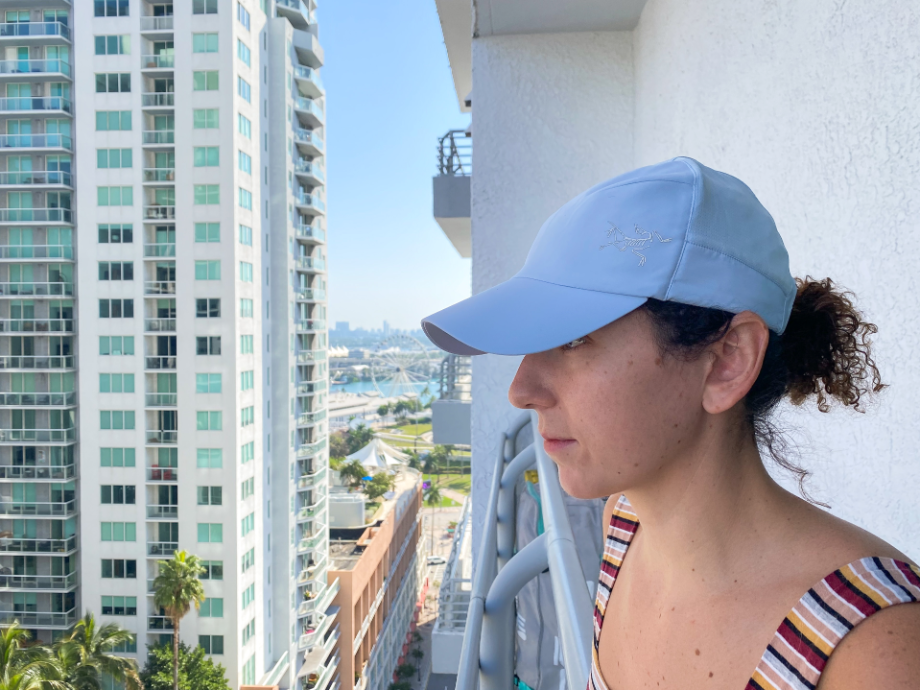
point(736, 361)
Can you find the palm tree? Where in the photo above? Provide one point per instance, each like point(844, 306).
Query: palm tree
point(433, 498)
point(85, 655)
point(26, 668)
point(176, 589)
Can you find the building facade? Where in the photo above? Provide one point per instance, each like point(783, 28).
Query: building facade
point(143, 312)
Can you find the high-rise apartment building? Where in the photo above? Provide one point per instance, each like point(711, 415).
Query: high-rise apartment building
point(162, 323)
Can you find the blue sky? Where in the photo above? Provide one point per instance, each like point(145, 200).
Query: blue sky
point(389, 96)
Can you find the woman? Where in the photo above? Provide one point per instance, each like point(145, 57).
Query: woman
point(660, 326)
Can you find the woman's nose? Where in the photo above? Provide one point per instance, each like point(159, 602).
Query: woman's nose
point(529, 389)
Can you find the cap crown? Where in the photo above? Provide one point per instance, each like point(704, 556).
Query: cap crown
point(676, 231)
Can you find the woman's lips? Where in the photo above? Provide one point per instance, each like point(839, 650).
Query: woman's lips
point(556, 445)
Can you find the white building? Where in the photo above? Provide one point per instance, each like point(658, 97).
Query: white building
point(187, 270)
point(811, 104)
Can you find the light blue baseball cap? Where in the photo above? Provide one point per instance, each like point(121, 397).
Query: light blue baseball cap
point(676, 231)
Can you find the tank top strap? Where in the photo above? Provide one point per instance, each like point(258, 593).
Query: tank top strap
point(800, 648)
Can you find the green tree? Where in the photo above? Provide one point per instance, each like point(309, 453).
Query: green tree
point(415, 459)
point(358, 437)
point(24, 667)
point(176, 589)
point(404, 671)
point(338, 445)
point(432, 497)
point(417, 654)
point(379, 485)
point(401, 409)
point(353, 474)
point(383, 410)
point(86, 658)
point(197, 671)
point(401, 685)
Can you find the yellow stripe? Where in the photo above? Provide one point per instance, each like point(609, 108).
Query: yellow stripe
point(763, 682)
point(810, 633)
point(857, 582)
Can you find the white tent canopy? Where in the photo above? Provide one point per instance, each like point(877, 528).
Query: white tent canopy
point(377, 455)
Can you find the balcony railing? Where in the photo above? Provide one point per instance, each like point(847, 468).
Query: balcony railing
point(159, 174)
point(162, 474)
point(157, 99)
point(308, 418)
point(308, 137)
point(160, 287)
point(18, 67)
point(309, 201)
point(310, 543)
point(36, 215)
point(19, 545)
point(310, 168)
point(37, 399)
point(159, 250)
point(309, 232)
point(37, 362)
point(455, 153)
point(159, 623)
point(39, 103)
point(310, 75)
point(37, 508)
point(307, 356)
point(38, 471)
point(163, 362)
point(38, 435)
point(487, 655)
point(159, 325)
point(156, 23)
point(310, 387)
point(158, 436)
point(308, 481)
point(36, 141)
point(158, 61)
point(163, 512)
point(36, 177)
point(308, 105)
point(309, 325)
point(36, 326)
point(162, 399)
point(23, 29)
point(162, 548)
point(309, 263)
point(38, 581)
point(36, 619)
point(320, 601)
point(160, 136)
point(37, 289)
point(306, 450)
point(36, 251)
point(156, 212)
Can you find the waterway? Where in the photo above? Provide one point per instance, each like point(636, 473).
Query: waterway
point(368, 386)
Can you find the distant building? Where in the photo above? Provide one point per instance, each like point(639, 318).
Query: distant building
point(386, 328)
point(342, 326)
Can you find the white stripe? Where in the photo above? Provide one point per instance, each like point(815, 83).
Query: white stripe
point(791, 681)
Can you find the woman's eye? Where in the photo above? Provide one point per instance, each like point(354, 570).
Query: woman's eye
point(573, 344)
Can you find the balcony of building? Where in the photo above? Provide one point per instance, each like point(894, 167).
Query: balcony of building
point(56, 106)
point(162, 549)
point(308, 419)
point(41, 400)
point(296, 12)
point(38, 500)
point(15, 325)
point(9, 579)
point(159, 62)
point(36, 143)
point(310, 113)
point(38, 472)
point(159, 138)
point(451, 189)
point(308, 326)
point(157, 101)
point(156, 20)
point(162, 437)
point(160, 177)
point(309, 204)
point(33, 70)
point(19, 363)
point(309, 234)
point(309, 356)
point(36, 180)
point(308, 81)
point(39, 619)
point(310, 264)
point(323, 662)
point(9, 543)
point(34, 33)
point(308, 141)
point(10, 436)
point(308, 49)
point(36, 216)
point(309, 172)
point(316, 596)
point(311, 634)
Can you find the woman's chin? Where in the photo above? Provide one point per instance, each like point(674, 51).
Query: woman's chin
point(578, 485)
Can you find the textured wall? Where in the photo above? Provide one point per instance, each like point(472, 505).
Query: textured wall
point(553, 115)
point(816, 106)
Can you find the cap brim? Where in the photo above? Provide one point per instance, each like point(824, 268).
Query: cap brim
point(522, 316)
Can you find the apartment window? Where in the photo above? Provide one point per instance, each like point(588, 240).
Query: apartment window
point(207, 194)
point(246, 308)
point(207, 232)
point(113, 45)
point(113, 82)
point(119, 606)
point(115, 196)
point(129, 646)
point(116, 309)
point(243, 53)
point(119, 568)
point(243, 15)
point(249, 631)
point(211, 608)
point(207, 383)
point(207, 156)
point(210, 495)
point(246, 235)
point(207, 270)
point(117, 457)
point(247, 344)
point(111, 8)
point(210, 533)
point(245, 272)
point(213, 570)
point(117, 494)
point(243, 89)
point(248, 488)
point(211, 644)
point(116, 419)
point(205, 80)
point(204, 6)
point(207, 308)
point(116, 344)
point(249, 559)
point(207, 345)
point(205, 118)
point(116, 270)
point(119, 531)
point(245, 162)
point(244, 125)
point(209, 421)
point(247, 380)
point(116, 383)
point(247, 452)
point(113, 120)
point(116, 234)
point(204, 43)
point(210, 458)
point(114, 158)
point(247, 416)
point(249, 595)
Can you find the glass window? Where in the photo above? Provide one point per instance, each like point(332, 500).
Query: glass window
point(246, 235)
point(210, 458)
point(113, 45)
point(207, 383)
point(243, 53)
point(204, 43)
point(207, 156)
point(205, 81)
point(113, 82)
point(242, 14)
point(207, 194)
point(205, 118)
point(243, 89)
point(204, 6)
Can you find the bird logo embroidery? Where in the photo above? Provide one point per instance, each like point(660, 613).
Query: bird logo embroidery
point(641, 240)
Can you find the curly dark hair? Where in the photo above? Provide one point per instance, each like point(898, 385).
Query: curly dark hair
point(824, 352)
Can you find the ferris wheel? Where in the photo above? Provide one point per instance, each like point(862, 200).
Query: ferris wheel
point(401, 365)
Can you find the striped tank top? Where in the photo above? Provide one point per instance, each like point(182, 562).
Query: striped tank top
point(802, 645)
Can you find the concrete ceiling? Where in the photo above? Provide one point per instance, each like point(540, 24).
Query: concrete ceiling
point(501, 17)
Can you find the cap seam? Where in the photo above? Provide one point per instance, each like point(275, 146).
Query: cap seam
point(693, 204)
point(632, 182)
point(574, 287)
point(740, 261)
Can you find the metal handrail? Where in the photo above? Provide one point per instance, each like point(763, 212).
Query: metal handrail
point(487, 654)
point(455, 154)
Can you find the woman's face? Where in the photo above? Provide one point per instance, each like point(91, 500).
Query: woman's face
point(613, 411)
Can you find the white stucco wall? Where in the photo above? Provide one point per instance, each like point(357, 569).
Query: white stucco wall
point(813, 104)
